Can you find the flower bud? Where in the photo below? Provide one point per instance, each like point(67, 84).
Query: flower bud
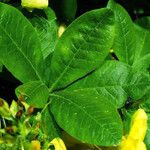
point(31, 4)
point(61, 29)
point(58, 144)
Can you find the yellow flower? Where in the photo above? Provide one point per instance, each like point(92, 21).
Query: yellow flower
point(35, 145)
point(31, 4)
point(58, 144)
point(134, 141)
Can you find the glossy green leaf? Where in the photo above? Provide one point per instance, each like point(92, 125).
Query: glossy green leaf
point(49, 126)
point(87, 117)
point(125, 38)
point(142, 54)
point(82, 47)
point(20, 47)
point(35, 92)
point(47, 30)
point(115, 81)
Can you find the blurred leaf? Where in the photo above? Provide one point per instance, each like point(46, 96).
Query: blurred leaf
point(65, 9)
point(4, 110)
point(146, 102)
point(14, 108)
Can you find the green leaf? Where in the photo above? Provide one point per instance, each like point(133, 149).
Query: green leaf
point(47, 31)
point(19, 45)
point(50, 14)
point(125, 39)
point(142, 54)
point(49, 126)
point(82, 47)
point(36, 93)
point(115, 81)
point(87, 117)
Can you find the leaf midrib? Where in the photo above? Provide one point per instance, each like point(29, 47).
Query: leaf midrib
point(98, 87)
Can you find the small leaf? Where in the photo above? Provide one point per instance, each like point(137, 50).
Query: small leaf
point(144, 22)
point(36, 93)
point(82, 47)
point(4, 110)
point(87, 117)
point(14, 108)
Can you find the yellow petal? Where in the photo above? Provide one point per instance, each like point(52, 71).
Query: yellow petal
point(138, 125)
point(141, 146)
point(58, 144)
point(134, 141)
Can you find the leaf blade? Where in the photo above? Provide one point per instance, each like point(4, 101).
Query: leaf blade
point(19, 43)
point(86, 117)
point(115, 81)
point(77, 53)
